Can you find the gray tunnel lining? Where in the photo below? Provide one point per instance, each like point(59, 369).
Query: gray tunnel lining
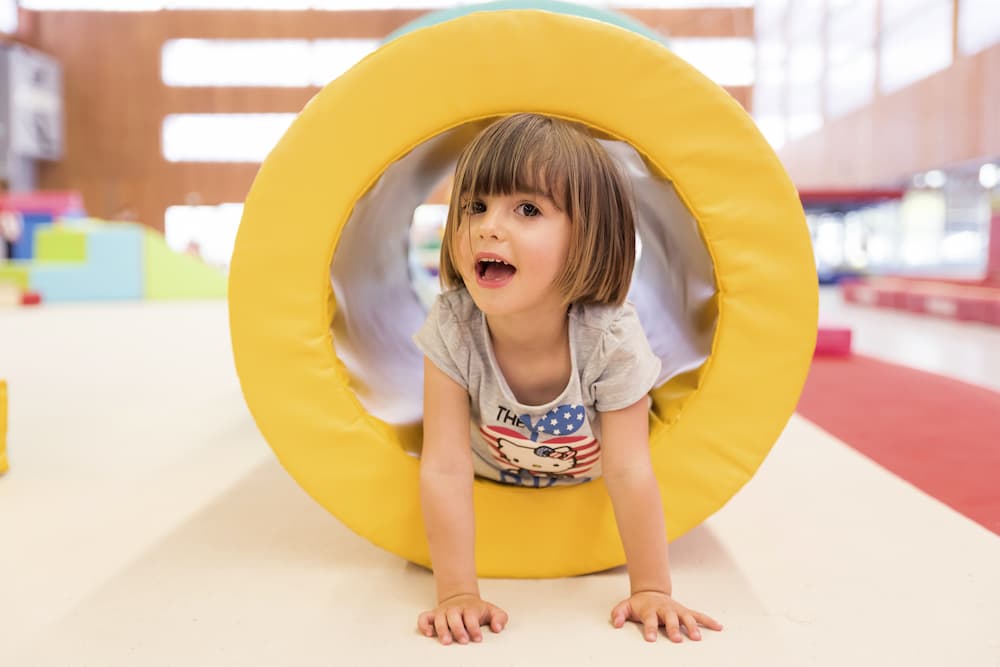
point(378, 311)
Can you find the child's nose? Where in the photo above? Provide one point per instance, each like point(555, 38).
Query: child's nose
point(490, 224)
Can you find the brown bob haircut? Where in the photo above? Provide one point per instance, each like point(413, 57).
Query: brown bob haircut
point(538, 154)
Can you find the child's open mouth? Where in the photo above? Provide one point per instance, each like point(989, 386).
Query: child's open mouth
point(494, 272)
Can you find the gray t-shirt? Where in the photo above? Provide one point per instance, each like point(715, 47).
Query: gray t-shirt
point(555, 443)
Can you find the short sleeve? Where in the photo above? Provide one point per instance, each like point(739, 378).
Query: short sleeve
point(440, 339)
point(624, 362)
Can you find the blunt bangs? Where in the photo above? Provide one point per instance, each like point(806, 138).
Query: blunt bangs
point(523, 155)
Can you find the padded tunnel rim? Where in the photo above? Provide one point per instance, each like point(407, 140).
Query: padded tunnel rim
point(632, 89)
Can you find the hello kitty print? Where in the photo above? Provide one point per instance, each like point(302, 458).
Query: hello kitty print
point(542, 449)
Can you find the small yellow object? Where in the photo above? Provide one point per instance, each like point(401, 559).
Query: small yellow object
point(710, 428)
point(4, 465)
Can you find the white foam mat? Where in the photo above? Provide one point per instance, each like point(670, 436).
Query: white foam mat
point(145, 522)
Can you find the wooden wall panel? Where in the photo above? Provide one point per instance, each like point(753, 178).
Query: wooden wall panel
point(236, 100)
point(713, 22)
point(287, 100)
point(115, 101)
point(950, 117)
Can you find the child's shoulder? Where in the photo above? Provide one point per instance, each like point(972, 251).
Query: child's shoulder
point(612, 337)
point(457, 305)
point(603, 317)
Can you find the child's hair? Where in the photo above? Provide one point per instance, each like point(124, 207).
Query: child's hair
point(558, 159)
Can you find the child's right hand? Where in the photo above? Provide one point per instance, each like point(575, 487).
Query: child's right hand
point(459, 618)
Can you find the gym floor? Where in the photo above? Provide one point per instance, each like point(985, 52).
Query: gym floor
point(144, 521)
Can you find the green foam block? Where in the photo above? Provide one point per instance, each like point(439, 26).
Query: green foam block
point(15, 273)
point(173, 275)
point(58, 243)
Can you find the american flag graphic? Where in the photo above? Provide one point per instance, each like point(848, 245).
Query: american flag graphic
point(562, 420)
point(568, 455)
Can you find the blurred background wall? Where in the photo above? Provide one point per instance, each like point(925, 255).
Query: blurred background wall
point(117, 102)
point(886, 113)
point(868, 93)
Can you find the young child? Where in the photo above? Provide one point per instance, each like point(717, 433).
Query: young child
point(532, 344)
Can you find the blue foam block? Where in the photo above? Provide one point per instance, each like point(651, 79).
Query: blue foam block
point(112, 271)
point(24, 247)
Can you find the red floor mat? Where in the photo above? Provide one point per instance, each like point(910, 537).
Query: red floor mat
point(939, 434)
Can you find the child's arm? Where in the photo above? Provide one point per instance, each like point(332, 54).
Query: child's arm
point(635, 495)
point(446, 499)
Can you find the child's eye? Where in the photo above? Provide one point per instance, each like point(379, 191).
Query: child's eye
point(474, 207)
point(528, 210)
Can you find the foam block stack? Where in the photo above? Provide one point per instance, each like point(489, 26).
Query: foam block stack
point(966, 301)
point(833, 342)
point(93, 260)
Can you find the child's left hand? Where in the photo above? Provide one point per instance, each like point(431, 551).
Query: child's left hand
point(653, 609)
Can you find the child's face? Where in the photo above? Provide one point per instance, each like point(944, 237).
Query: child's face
point(510, 249)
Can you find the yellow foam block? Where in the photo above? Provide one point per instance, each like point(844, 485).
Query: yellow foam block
point(4, 465)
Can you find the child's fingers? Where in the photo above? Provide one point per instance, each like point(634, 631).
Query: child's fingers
point(707, 621)
point(651, 626)
point(691, 625)
point(673, 627)
point(498, 619)
point(441, 628)
point(619, 614)
point(425, 623)
point(471, 618)
point(457, 625)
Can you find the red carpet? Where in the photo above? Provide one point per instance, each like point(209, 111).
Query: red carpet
point(939, 434)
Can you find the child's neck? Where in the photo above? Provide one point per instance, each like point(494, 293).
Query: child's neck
point(534, 359)
point(537, 335)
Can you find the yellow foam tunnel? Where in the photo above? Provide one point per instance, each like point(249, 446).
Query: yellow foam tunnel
point(322, 309)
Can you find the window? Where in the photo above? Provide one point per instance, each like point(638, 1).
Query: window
point(729, 61)
point(260, 62)
point(978, 25)
point(895, 12)
point(805, 58)
point(769, 92)
point(8, 16)
point(209, 232)
point(769, 17)
point(770, 86)
point(850, 84)
point(772, 126)
point(804, 94)
point(850, 75)
point(222, 137)
point(917, 45)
